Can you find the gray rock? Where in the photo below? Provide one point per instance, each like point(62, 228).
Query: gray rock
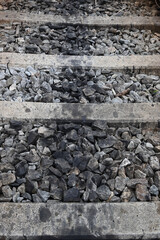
point(88, 91)
point(55, 171)
point(131, 183)
point(7, 178)
point(142, 193)
point(120, 183)
point(72, 180)
point(154, 162)
point(103, 192)
point(140, 174)
point(157, 179)
point(7, 192)
point(107, 161)
point(73, 136)
point(45, 132)
point(126, 195)
point(21, 168)
point(62, 165)
point(57, 194)
point(107, 143)
point(125, 163)
point(71, 195)
point(92, 164)
point(154, 190)
point(43, 195)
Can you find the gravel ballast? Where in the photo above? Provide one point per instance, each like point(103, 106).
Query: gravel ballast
point(69, 85)
point(77, 40)
point(82, 7)
point(78, 162)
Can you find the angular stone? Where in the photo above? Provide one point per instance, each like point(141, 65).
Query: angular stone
point(62, 165)
point(88, 91)
point(21, 168)
point(131, 183)
point(107, 161)
point(139, 174)
point(103, 192)
point(55, 171)
point(7, 178)
point(7, 192)
point(72, 180)
point(154, 190)
point(32, 137)
point(57, 194)
point(45, 132)
point(71, 195)
point(92, 164)
point(73, 136)
point(125, 163)
point(5, 167)
point(30, 187)
point(107, 143)
point(126, 195)
point(157, 179)
point(43, 195)
point(120, 183)
point(142, 193)
point(154, 162)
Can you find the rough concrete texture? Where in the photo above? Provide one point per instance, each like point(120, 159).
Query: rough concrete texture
point(126, 112)
point(146, 63)
point(81, 221)
point(152, 23)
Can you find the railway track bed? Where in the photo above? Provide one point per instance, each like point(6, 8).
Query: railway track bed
point(79, 120)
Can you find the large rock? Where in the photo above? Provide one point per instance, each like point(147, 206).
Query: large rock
point(71, 195)
point(103, 192)
point(142, 193)
point(7, 178)
point(62, 165)
point(120, 183)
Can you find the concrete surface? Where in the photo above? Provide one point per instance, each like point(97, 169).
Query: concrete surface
point(152, 23)
point(146, 63)
point(126, 112)
point(80, 221)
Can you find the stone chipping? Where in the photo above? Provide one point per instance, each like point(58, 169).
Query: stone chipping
point(78, 162)
point(77, 40)
point(71, 85)
point(82, 7)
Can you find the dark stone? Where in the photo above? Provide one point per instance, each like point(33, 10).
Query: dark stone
point(62, 165)
point(29, 187)
point(93, 197)
point(103, 192)
point(31, 49)
point(73, 136)
point(55, 171)
point(80, 162)
point(71, 195)
point(17, 125)
point(72, 180)
point(27, 196)
point(21, 168)
point(21, 148)
point(71, 35)
point(107, 143)
point(56, 194)
point(32, 137)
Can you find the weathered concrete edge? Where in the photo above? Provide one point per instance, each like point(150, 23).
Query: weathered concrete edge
point(140, 220)
point(127, 112)
point(152, 23)
point(134, 62)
